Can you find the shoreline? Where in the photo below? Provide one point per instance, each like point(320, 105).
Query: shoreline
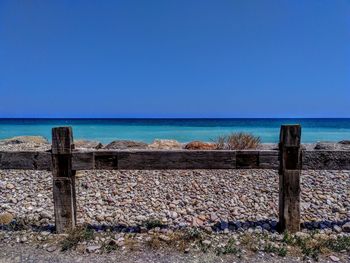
point(39, 143)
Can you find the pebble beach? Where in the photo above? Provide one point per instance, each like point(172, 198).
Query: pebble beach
point(174, 197)
point(226, 204)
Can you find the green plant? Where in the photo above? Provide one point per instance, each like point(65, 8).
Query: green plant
point(192, 234)
point(237, 141)
point(75, 236)
point(270, 248)
point(282, 251)
point(229, 248)
point(309, 247)
point(249, 241)
point(287, 238)
point(109, 246)
point(339, 244)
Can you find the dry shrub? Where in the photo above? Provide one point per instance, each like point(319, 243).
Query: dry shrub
point(237, 141)
point(179, 240)
point(76, 235)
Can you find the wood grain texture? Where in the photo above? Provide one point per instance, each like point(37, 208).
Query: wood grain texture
point(25, 160)
point(267, 159)
point(290, 207)
point(326, 160)
point(289, 178)
point(148, 160)
point(247, 159)
point(63, 179)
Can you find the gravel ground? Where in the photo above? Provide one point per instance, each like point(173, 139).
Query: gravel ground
point(223, 203)
point(26, 253)
point(177, 198)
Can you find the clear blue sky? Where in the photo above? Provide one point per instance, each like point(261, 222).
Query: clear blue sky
point(159, 58)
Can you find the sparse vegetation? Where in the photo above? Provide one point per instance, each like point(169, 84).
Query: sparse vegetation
point(192, 234)
point(154, 242)
point(342, 243)
point(79, 234)
point(250, 242)
point(273, 248)
point(312, 245)
point(109, 246)
point(229, 248)
point(180, 240)
point(237, 141)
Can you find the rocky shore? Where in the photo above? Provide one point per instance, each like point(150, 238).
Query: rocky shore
point(229, 202)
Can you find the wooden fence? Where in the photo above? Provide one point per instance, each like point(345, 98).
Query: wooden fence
point(63, 161)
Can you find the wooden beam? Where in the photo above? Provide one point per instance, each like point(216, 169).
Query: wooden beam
point(246, 159)
point(289, 178)
point(63, 179)
point(25, 160)
point(181, 159)
point(326, 160)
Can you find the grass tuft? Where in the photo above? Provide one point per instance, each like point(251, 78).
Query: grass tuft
point(237, 141)
point(78, 234)
point(229, 248)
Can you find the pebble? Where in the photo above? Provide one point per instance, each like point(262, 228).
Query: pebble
point(164, 238)
point(346, 227)
point(334, 258)
point(206, 242)
point(10, 186)
point(51, 248)
point(337, 228)
point(92, 249)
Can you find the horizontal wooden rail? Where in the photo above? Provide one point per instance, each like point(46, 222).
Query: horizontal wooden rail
point(175, 159)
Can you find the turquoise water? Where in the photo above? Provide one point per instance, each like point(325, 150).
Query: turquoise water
point(183, 130)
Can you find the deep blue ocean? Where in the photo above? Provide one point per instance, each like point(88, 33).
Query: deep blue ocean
point(183, 130)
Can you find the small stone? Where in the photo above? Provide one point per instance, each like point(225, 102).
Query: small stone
point(337, 228)
point(173, 215)
point(10, 186)
point(213, 217)
point(92, 249)
point(206, 242)
point(196, 222)
point(334, 258)
point(51, 248)
point(44, 214)
point(164, 238)
point(6, 218)
point(346, 227)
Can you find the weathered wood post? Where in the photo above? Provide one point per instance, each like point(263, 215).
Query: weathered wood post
point(289, 178)
point(63, 179)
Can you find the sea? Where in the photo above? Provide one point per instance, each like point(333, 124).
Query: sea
point(183, 130)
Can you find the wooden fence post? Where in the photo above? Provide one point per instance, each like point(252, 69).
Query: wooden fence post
point(289, 178)
point(63, 179)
